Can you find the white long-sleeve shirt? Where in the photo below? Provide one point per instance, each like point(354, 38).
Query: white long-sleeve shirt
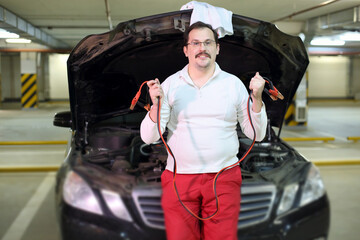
point(201, 122)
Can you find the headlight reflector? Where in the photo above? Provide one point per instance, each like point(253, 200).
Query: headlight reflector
point(313, 188)
point(116, 205)
point(288, 197)
point(77, 193)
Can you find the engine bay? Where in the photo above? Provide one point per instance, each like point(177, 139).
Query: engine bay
point(122, 151)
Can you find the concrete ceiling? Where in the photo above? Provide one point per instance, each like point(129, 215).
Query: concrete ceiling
point(63, 23)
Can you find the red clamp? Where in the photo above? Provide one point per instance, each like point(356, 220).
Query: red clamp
point(136, 98)
point(272, 91)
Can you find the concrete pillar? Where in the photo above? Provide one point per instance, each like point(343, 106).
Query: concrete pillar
point(29, 94)
point(354, 80)
point(45, 76)
point(0, 82)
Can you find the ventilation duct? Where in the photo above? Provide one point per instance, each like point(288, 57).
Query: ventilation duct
point(12, 23)
point(334, 23)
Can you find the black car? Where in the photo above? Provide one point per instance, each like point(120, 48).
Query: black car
point(109, 184)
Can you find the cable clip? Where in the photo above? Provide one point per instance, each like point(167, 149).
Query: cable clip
point(272, 91)
point(136, 99)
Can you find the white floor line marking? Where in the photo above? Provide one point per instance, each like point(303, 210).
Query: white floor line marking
point(23, 220)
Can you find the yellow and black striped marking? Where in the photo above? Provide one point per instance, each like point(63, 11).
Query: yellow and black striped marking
point(290, 117)
point(29, 91)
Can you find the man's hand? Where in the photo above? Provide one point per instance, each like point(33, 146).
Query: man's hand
point(155, 91)
point(257, 84)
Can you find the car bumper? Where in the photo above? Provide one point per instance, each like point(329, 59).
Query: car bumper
point(77, 224)
point(310, 222)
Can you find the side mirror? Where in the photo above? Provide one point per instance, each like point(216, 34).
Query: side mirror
point(63, 119)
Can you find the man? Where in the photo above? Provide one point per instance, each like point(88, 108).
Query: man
point(200, 106)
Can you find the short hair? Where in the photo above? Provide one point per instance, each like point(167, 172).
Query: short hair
point(199, 25)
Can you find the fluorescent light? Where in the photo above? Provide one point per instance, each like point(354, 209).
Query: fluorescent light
point(18, 40)
point(350, 36)
point(325, 41)
point(302, 36)
point(6, 34)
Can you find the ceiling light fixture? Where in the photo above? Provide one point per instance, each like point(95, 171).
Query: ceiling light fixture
point(350, 36)
point(18, 40)
point(6, 34)
point(325, 41)
point(301, 36)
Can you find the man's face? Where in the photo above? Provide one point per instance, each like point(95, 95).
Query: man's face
point(199, 55)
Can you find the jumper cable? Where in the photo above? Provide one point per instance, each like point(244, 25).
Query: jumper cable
point(272, 92)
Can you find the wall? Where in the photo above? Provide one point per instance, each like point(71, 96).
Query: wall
point(58, 80)
point(329, 76)
point(50, 68)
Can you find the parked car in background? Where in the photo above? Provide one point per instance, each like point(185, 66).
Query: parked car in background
point(109, 184)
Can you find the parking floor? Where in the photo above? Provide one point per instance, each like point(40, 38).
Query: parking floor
point(27, 198)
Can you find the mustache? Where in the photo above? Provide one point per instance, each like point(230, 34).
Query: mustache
point(202, 53)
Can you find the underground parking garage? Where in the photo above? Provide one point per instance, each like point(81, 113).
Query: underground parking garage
point(73, 165)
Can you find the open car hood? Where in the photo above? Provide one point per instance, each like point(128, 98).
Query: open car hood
point(106, 70)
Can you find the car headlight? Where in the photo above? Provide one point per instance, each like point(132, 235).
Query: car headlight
point(78, 194)
point(288, 198)
point(116, 205)
point(313, 187)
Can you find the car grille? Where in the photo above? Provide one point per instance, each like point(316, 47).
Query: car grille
point(148, 203)
point(256, 205)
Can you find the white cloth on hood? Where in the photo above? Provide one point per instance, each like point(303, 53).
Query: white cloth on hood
point(219, 18)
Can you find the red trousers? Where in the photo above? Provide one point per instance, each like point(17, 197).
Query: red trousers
point(196, 192)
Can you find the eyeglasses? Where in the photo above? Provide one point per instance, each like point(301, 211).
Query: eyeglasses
point(196, 44)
